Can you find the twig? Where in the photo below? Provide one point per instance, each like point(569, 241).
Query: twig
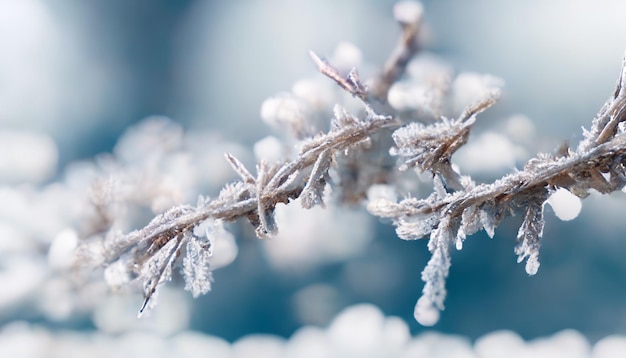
point(352, 83)
point(409, 16)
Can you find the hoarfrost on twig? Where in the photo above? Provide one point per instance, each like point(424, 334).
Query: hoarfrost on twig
point(357, 149)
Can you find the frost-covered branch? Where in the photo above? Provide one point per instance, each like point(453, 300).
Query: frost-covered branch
point(455, 211)
point(353, 153)
point(148, 255)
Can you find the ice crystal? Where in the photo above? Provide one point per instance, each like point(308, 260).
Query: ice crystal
point(415, 228)
point(424, 146)
point(158, 270)
point(528, 237)
point(436, 271)
point(196, 265)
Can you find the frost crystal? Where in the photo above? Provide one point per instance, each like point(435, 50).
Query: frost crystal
point(424, 146)
point(313, 192)
point(435, 274)
point(470, 224)
point(528, 237)
point(157, 270)
point(436, 271)
point(415, 228)
point(196, 268)
point(491, 216)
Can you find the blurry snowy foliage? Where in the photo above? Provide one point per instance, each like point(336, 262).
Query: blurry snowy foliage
point(358, 331)
point(412, 116)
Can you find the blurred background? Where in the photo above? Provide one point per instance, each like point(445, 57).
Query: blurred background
point(74, 75)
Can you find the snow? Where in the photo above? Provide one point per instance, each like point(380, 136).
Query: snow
point(566, 205)
point(609, 347)
point(115, 314)
point(500, 344)
point(259, 346)
point(363, 331)
point(360, 331)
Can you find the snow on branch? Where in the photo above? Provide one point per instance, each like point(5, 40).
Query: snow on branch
point(149, 255)
point(598, 163)
point(360, 150)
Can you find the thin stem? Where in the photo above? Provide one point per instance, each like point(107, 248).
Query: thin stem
point(523, 181)
point(410, 20)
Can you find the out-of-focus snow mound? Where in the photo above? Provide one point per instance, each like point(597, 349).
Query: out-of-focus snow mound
point(358, 331)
